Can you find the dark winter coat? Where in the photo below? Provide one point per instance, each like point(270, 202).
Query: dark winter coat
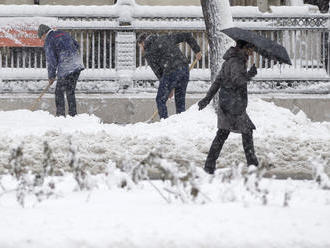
point(322, 4)
point(164, 56)
point(62, 54)
point(233, 99)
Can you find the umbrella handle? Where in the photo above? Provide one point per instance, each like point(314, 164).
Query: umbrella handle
point(171, 94)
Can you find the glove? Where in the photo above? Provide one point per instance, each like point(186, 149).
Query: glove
point(51, 81)
point(203, 103)
point(253, 71)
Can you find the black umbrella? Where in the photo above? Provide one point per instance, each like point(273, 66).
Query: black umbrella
point(264, 46)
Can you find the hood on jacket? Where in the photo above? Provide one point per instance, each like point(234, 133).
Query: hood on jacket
point(235, 52)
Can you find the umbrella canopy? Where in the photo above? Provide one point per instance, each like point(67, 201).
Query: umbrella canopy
point(264, 46)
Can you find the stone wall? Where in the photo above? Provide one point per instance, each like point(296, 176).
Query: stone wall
point(123, 108)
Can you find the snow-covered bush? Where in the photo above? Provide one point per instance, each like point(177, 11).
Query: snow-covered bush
point(116, 178)
point(319, 174)
point(40, 185)
point(180, 179)
point(79, 172)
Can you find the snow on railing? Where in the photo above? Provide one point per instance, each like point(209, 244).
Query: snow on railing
point(107, 37)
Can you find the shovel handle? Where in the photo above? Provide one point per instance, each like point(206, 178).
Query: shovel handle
point(171, 94)
point(193, 64)
point(38, 99)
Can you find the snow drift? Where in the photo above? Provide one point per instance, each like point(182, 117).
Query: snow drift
point(289, 142)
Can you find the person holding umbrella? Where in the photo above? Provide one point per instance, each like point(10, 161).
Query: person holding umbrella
point(170, 66)
point(64, 62)
point(233, 99)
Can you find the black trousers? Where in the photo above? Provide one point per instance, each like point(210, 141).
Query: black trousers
point(67, 85)
point(219, 140)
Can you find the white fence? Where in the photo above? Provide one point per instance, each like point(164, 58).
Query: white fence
point(107, 38)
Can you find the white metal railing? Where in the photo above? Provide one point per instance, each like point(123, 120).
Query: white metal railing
point(96, 49)
point(107, 39)
point(307, 49)
point(21, 57)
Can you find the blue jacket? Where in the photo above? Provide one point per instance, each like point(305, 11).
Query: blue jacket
point(62, 54)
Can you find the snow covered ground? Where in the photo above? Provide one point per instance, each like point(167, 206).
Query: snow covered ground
point(228, 213)
point(230, 216)
point(292, 143)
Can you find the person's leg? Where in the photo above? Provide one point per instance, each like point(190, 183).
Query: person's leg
point(59, 97)
point(326, 51)
point(180, 90)
point(215, 149)
point(247, 139)
point(164, 89)
point(70, 92)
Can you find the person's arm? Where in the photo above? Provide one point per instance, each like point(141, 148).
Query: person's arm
point(214, 87)
point(186, 37)
point(239, 75)
point(211, 92)
point(51, 59)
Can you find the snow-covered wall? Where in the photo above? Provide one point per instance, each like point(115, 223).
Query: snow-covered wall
point(141, 11)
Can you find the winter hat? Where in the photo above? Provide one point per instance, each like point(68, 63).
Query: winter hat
point(43, 29)
point(141, 38)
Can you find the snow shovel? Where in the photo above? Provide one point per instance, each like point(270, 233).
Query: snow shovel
point(171, 94)
point(38, 99)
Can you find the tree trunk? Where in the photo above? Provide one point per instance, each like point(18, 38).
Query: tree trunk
point(217, 16)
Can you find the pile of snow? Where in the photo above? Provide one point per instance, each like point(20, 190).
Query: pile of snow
point(287, 141)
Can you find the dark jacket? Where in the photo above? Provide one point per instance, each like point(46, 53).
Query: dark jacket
point(164, 56)
point(62, 54)
point(233, 99)
point(322, 4)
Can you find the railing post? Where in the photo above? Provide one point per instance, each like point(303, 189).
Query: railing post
point(264, 5)
point(125, 45)
point(327, 48)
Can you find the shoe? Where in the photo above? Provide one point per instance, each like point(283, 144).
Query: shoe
point(209, 170)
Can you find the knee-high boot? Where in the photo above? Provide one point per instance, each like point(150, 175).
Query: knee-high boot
point(215, 149)
point(247, 139)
